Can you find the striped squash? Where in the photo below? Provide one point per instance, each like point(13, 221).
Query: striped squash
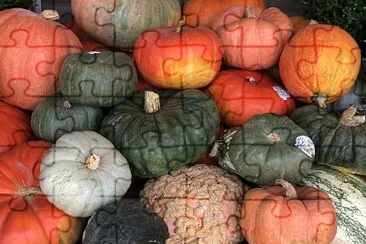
point(348, 193)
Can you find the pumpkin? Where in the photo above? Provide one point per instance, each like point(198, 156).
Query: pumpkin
point(266, 148)
point(191, 56)
point(273, 215)
point(26, 215)
point(339, 139)
point(30, 65)
point(83, 165)
point(56, 116)
point(160, 137)
point(132, 223)
point(142, 84)
point(100, 79)
point(241, 94)
point(79, 32)
point(15, 127)
point(204, 12)
point(252, 39)
point(299, 22)
point(200, 204)
point(320, 64)
point(118, 23)
point(93, 45)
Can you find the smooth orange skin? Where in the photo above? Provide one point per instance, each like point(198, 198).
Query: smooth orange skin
point(269, 217)
point(238, 100)
point(178, 60)
point(35, 220)
point(320, 59)
point(204, 12)
point(32, 51)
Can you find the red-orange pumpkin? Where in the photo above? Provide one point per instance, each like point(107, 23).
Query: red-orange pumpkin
point(178, 58)
point(93, 45)
point(285, 215)
point(77, 30)
point(252, 38)
point(204, 12)
point(32, 50)
point(15, 127)
point(241, 94)
point(26, 216)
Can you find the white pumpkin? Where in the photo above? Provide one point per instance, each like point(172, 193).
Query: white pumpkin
point(83, 172)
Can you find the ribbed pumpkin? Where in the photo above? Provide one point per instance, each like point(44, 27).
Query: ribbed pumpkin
point(15, 127)
point(178, 58)
point(118, 23)
point(320, 64)
point(101, 79)
point(241, 94)
point(204, 12)
point(32, 50)
point(26, 215)
point(252, 38)
point(56, 116)
point(339, 140)
point(159, 132)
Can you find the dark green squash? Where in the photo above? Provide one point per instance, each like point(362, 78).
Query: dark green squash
point(100, 79)
point(340, 140)
point(56, 116)
point(167, 134)
point(266, 148)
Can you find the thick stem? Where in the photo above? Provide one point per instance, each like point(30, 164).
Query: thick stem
point(349, 117)
point(274, 137)
point(290, 190)
point(67, 104)
point(50, 14)
point(152, 102)
point(181, 23)
point(30, 191)
point(320, 100)
point(93, 162)
point(249, 13)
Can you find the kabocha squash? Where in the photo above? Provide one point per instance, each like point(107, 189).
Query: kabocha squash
point(118, 23)
point(339, 139)
point(26, 215)
point(266, 148)
point(132, 223)
point(252, 38)
point(56, 116)
point(200, 204)
point(191, 57)
point(241, 94)
point(83, 172)
point(162, 131)
point(320, 64)
point(284, 215)
point(32, 49)
point(348, 194)
point(100, 79)
point(204, 12)
point(15, 127)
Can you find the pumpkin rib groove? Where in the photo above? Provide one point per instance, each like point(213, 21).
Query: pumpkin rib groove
point(37, 218)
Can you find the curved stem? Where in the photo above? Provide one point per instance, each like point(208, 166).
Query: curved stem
point(349, 117)
point(93, 162)
point(181, 23)
point(320, 100)
point(290, 190)
point(152, 102)
point(252, 80)
point(30, 191)
point(50, 14)
point(67, 104)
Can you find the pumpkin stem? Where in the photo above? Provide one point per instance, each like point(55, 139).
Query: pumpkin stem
point(152, 102)
point(248, 13)
point(290, 190)
point(30, 191)
point(181, 23)
point(320, 100)
point(349, 117)
point(93, 162)
point(274, 137)
point(50, 14)
point(251, 80)
point(67, 104)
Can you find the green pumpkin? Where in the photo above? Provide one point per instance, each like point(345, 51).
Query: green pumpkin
point(340, 140)
point(100, 79)
point(266, 148)
point(162, 132)
point(56, 116)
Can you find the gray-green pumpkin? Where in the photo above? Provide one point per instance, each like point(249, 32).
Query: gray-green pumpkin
point(163, 131)
point(340, 140)
point(100, 79)
point(266, 148)
point(56, 116)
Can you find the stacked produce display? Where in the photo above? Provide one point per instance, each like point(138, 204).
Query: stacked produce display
point(225, 122)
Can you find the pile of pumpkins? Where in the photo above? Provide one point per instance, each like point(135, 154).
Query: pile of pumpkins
point(247, 125)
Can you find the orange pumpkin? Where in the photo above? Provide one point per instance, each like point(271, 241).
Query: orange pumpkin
point(252, 38)
point(204, 12)
point(299, 22)
point(32, 51)
point(93, 45)
point(77, 30)
point(285, 215)
point(320, 64)
point(241, 94)
point(178, 58)
point(26, 216)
